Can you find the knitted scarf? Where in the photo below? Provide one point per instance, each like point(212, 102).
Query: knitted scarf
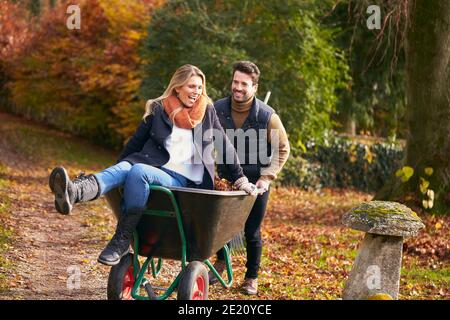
point(182, 116)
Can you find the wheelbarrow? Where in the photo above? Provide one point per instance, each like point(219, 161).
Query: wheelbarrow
point(184, 224)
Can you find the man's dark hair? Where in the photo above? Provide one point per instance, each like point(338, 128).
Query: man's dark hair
point(249, 68)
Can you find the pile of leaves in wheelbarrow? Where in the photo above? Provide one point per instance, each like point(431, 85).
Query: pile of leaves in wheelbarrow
point(223, 185)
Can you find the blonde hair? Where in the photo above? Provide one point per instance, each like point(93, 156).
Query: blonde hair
point(179, 79)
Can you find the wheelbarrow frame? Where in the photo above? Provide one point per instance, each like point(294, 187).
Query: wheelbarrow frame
point(139, 272)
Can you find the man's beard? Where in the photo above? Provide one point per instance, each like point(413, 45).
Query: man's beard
point(244, 98)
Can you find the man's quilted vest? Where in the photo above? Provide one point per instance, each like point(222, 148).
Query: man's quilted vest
point(250, 141)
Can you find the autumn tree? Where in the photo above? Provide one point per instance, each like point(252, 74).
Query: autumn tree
point(375, 99)
point(299, 63)
point(15, 34)
point(425, 177)
point(84, 81)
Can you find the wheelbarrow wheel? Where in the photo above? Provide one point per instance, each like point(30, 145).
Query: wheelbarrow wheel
point(194, 282)
point(121, 279)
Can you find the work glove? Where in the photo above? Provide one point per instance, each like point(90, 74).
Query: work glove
point(243, 184)
point(262, 185)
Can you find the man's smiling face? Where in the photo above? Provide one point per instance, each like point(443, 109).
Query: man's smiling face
point(242, 87)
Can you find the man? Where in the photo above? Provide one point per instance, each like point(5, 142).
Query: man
point(256, 126)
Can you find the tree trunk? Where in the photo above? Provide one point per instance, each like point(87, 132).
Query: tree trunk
point(428, 106)
point(350, 125)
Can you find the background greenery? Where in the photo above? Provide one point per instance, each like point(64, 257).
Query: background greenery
point(328, 73)
point(95, 81)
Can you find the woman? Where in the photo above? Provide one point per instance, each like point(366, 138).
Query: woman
point(162, 151)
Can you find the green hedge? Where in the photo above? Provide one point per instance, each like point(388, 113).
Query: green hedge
point(342, 163)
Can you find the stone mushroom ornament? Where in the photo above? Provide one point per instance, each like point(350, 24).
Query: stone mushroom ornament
point(376, 271)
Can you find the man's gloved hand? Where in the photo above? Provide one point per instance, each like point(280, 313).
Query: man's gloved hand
point(262, 185)
point(243, 184)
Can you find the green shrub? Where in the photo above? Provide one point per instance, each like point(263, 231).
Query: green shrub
point(342, 163)
point(301, 173)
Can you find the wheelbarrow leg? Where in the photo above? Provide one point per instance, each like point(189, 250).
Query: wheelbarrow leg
point(229, 269)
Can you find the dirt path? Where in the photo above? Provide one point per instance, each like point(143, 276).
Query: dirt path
point(53, 256)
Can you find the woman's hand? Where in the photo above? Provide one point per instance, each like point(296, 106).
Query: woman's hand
point(243, 184)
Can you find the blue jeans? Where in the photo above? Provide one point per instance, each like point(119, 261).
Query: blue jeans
point(136, 180)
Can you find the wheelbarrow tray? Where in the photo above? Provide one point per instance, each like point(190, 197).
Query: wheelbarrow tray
point(210, 219)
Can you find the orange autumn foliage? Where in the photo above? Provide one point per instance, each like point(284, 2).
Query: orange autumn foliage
point(84, 81)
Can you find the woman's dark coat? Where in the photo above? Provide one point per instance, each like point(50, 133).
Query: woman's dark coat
point(147, 144)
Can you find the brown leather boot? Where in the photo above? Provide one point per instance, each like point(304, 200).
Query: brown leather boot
point(250, 286)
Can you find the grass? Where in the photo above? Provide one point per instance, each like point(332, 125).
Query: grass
point(417, 281)
point(329, 254)
point(6, 232)
point(44, 145)
point(420, 274)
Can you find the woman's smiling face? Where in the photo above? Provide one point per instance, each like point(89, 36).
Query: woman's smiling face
point(190, 91)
